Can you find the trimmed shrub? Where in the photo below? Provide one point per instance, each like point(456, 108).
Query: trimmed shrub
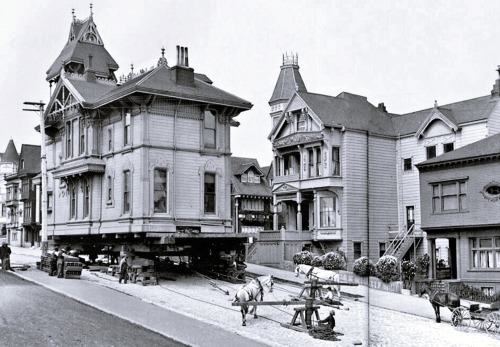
point(318, 261)
point(304, 257)
point(387, 268)
point(334, 261)
point(363, 267)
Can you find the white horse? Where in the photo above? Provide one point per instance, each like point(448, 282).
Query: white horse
point(312, 272)
point(253, 291)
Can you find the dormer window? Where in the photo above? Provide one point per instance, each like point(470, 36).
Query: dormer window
point(244, 178)
point(448, 147)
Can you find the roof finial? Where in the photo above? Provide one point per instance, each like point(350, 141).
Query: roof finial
point(73, 14)
point(435, 104)
point(132, 68)
point(162, 60)
point(91, 13)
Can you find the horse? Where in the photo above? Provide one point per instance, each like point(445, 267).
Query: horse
point(313, 272)
point(439, 299)
point(253, 291)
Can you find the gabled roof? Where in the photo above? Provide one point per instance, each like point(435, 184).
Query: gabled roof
point(77, 49)
point(462, 112)
point(438, 113)
point(10, 155)
point(347, 110)
point(241, 165)
point(486, 148)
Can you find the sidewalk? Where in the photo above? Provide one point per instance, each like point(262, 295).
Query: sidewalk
point(155, 318)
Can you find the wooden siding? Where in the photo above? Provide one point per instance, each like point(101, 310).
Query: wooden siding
point(494, 120)
point(481, 211)
point(383, 209)
point(355, 197)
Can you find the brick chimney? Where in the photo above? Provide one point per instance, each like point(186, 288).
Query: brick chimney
point(495, 93)
point(89, 73)
point(182, 74)
point(381, 107)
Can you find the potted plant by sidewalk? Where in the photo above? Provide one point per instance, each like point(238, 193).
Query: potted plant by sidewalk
point(408, 271)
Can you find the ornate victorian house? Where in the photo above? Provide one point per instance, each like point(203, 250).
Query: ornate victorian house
point(344, 170)
point(144, 158)
point(8, 165)
point(251, 196)
point(22, 227)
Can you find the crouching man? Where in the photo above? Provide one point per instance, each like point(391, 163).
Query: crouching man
point(329, 322)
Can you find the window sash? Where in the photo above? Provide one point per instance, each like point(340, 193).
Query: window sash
point(209, 131)
point(126, 191)
point(160, 190)
point(485, 253)
point(209, 193)
point(327, 212)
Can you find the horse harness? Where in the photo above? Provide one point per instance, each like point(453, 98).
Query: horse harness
point(249, 292)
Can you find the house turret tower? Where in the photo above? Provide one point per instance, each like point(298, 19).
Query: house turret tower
point(84, 53)
point(288, 82)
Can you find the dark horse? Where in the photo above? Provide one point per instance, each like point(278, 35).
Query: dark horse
point(439, 299)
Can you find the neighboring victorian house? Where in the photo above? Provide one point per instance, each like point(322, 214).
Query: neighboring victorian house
point(460, 202)
point(146, 156)
point(21, 226)
point(343, 169)
point(8, 165)
point(251, 196)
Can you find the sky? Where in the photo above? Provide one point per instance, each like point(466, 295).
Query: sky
point(406, 54)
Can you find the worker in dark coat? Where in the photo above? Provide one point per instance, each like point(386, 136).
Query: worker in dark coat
point(329, 321)
point(60, 265)
point(123, 270)
point(5, 256)
point(53, 262)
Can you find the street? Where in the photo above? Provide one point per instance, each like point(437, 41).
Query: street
point(32, 316)
point(197, 302)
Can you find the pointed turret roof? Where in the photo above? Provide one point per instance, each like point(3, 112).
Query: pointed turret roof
point(86, 47)
point(10, 155)
point(289, 80)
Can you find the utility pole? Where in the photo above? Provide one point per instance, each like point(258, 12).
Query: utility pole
point(40, 110)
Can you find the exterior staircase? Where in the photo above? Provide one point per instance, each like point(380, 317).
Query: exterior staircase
point(403, 242)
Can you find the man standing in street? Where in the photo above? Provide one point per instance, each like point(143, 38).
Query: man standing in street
point(123, 270)
point(5, 256)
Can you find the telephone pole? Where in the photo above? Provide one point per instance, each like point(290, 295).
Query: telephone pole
point(40, 110)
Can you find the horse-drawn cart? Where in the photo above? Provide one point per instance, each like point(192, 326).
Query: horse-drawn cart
point(462, 318)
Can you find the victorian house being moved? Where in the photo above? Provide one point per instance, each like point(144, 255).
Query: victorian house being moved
point(344, 175)
point(141, 162)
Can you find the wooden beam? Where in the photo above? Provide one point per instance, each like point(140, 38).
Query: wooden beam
point(268, 303)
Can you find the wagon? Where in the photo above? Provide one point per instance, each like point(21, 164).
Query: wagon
point(462, 318)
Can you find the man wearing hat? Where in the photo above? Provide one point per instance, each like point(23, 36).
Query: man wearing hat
point(5, 256)
point(330, 321)
point(123, 270)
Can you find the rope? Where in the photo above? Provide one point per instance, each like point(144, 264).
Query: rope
point(324, 333)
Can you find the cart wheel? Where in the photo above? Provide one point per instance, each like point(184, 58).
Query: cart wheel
point(460, 318)
point(492, 323)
